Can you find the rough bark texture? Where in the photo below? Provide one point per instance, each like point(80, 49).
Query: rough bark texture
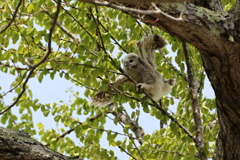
point(141, 1)
point(19, 145)
point(209, 28)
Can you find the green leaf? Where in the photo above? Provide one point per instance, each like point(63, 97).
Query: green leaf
point(4, 118)
point(40, 77)
point(30, 7)
point(57, 118)
point(15, 38)
point(145, 107)
point(46, 112)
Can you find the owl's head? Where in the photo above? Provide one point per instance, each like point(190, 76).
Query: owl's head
point(131, 61)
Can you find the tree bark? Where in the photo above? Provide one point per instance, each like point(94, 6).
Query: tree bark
point(141, 1)
point(215, 33)
point(19, 145)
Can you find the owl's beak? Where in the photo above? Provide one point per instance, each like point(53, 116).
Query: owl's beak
point(126, 64)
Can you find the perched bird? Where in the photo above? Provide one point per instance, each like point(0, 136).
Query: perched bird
point(141, 69)
point(146, 77)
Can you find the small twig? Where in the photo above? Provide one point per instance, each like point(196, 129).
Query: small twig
point(127, 152)
point(14, 16)
point(21, 93)
point(12, 66)
point(66, 11)
point(13, 87)
point(172, 66)
point(80, 82)
point(64, 29)
point(146, 32)
point(71, 130)
point(50, 36)
point(140, 140)
point(116, 42)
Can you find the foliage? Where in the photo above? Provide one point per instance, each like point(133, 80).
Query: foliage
point(88, 44)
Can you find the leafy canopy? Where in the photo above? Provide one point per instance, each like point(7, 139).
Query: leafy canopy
point(88, 43)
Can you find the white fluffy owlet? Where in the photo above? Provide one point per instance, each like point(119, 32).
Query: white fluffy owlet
point(146, 77)
point(141, 69)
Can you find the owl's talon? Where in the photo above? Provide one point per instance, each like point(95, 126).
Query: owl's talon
point(140, 86)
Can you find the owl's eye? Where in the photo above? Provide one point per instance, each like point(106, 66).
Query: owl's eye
point(131, 61)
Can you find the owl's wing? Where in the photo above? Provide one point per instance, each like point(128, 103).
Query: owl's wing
point(147, 45)
point(102, 98)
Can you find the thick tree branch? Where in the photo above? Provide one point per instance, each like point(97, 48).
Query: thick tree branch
point(142, 1)
point(215, 5)
point(19, 145)
point(157, 11)
point(195, 105)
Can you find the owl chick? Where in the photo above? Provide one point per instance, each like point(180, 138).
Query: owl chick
point(146, 77)
point(141, 69)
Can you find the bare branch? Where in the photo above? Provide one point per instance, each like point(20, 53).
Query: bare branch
point(195, 105)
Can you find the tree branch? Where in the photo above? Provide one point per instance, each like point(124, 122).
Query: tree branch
point(157, 11)
point(127, 152)
point(16, 144)
point(39, 63)
point(142, 1)
point(125, 119)
point(215, 5)
point(195, 105)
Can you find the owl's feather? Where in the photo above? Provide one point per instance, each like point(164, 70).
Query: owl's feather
point(147, 45)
